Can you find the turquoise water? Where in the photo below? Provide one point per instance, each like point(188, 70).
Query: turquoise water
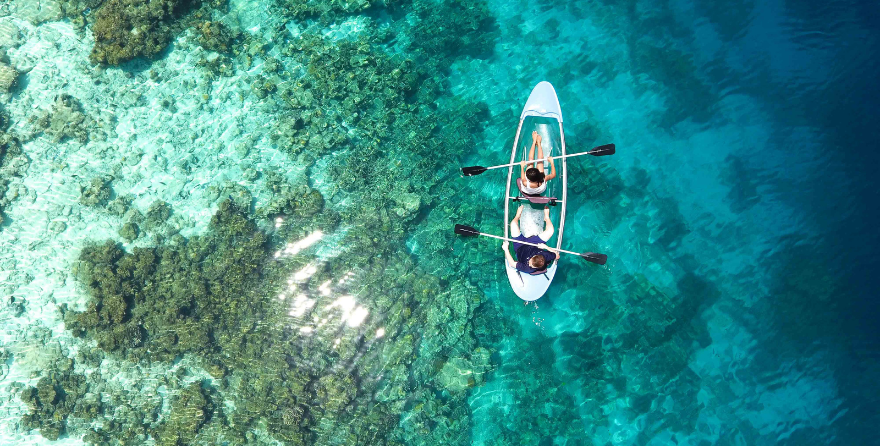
point(239, 229)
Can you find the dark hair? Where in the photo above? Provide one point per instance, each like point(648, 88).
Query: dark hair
point(539, 261)
point(534, 175)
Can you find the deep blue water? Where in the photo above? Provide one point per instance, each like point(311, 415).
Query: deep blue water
point(744, 189)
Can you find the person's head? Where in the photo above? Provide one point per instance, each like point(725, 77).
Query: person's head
point(537, 262)
point(534, 176)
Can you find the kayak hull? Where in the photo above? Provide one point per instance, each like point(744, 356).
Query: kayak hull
point(541, 114)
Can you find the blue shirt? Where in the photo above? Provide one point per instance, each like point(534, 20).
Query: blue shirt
point(526, 252)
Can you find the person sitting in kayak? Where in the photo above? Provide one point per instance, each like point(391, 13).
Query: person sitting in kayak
point(533, 182)
point(531, 259)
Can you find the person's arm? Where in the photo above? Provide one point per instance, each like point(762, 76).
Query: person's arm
point(536, 139)
point(507, 255)
point(554, 252)
point(552, 171)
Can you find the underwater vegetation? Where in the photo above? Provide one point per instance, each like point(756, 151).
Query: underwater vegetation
point(214, 297)
point(328, 10)
point(13, 163)
point(267, 340)
point(55, 397)
point(209, 279)
point(126, 29)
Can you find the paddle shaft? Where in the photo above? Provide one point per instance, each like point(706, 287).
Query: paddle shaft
point(541, 160)
point(526, 243)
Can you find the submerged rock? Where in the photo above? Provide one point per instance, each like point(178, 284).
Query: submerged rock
point(10, 34)
point(96, 193)
point(66, 119)
point(8, 77)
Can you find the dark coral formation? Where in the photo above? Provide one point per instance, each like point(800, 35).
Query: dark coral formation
point(13, 163)
point(326, 10)
point(97, 193)
point(208, 296)
point(158, 213)
point(129, 231)
point(192, 409)
point(217, 36)
point(140, 315)
point(126, 29)
point(55, 397)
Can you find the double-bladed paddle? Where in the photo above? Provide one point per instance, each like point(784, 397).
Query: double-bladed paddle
point(468, 231)
point(607, 149)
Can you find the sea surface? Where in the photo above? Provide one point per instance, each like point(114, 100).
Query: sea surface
point(241, 233)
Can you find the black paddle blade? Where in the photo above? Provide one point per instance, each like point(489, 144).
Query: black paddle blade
point(607, 149)
point(595, 257)
point(472, 170)
point(466, 231)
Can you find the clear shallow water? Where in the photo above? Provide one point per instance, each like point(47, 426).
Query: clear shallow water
point(737, 307)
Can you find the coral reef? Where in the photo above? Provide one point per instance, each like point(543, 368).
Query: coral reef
point(211, 278)
point(326, 10)
point(10, 34)
point(216, 36)
point(158, 213)
point(55, 397)
point(8, 76)
point(66, 119)
point(129, 231)
point(124, 30)
point(452, 29)
point(97, 193)
point(189, 412)
point(206, 295)
point(247, 300)
point(13, 164)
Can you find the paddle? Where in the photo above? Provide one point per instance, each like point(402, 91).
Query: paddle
point(607, 149)
point(468, 231)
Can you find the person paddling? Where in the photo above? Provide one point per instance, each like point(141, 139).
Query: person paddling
point(530, 259)
point(533, 181)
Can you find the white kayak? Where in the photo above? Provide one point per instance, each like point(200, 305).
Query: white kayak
point(543, 115)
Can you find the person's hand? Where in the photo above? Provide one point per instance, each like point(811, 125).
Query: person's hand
point(504, 245)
